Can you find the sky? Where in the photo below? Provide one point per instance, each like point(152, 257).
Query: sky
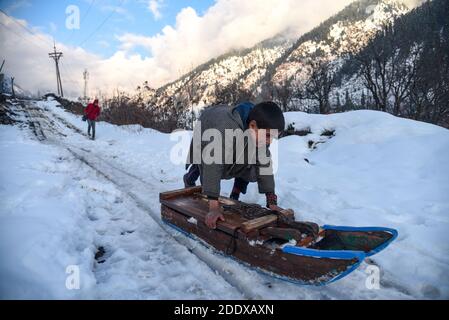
point(123, 43)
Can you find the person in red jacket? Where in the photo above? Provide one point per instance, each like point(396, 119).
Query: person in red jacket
point(92, 112)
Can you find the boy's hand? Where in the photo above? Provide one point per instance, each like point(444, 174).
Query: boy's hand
point(275, 208)
point(214, 214)
point(288, 213)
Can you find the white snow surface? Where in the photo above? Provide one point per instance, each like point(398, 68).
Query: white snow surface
point(56, 211)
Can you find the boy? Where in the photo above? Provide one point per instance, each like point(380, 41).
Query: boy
point(259, 124)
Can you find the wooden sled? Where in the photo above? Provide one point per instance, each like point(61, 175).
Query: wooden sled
point(273, 242)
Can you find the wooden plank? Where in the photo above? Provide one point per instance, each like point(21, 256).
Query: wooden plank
point(282, 233)
point(198, 209)
point(221, 200)
point(180, 192)
point(289, 265)
point(288, 214)
point(311, 240)
point(258, 223)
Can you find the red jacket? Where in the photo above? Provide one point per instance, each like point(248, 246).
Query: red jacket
point(92, 111)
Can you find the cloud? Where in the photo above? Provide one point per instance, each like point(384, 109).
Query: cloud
point(192, 40)
point(154, 6)
point(103, 44)
point(228, 24)
point(412, 3)
point(119, 10)
point(27, 60)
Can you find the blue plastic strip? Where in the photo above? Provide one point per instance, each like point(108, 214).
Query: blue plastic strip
point(376, 250)
point(329, 254)
point(188, 234)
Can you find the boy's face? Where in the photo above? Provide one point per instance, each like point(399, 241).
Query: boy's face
point(261, 137)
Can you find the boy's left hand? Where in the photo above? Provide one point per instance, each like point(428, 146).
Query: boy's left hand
point(275, 208)
point(288, 213)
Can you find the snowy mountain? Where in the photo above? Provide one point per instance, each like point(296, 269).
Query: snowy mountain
point(347, 32)
point(241, 75)
point(412, 56)
point(71, 206)
point(238, 70)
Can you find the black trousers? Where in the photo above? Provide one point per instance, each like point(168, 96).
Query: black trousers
point(240, 184)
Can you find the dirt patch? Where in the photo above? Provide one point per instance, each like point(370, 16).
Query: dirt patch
point(328, 133)
point(99, 255)
point(291, 131)
point(5, 114)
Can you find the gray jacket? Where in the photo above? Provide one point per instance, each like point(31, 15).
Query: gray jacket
point(246, 165)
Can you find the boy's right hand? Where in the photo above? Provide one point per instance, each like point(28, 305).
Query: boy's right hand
point(214, 214)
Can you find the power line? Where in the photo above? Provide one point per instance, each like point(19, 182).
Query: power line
point(54, 55)
point(12, 30)
point(68, 70)
point(87, 12)
point(38, 44)
point(100, 25)
point(25, 28)
point(57, 55)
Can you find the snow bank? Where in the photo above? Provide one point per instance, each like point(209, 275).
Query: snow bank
point(378, 170)
point(43, 229)
point(56, 213)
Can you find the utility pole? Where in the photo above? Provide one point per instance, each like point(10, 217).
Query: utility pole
point(3, 63)
point(86, 79)
point(12, 88)
point(56, 56)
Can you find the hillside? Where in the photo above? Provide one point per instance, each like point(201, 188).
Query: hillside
point(235, 71)
point(347, 32)
point(249, 74)
point(404, 69)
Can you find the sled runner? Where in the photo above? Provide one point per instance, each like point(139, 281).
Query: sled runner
point(274, 242)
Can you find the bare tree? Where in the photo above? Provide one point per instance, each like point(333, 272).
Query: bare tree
point(232, 93)
point(12, 87)
point(191, 89)
point(376, 70)
point(283, 93)
point(429, 90)
point(403, 70)
point(319, 84)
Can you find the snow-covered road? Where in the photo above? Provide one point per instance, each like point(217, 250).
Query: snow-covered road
point(65, 199)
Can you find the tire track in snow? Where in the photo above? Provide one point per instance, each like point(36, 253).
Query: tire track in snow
point(126, 182)
point(194, 247)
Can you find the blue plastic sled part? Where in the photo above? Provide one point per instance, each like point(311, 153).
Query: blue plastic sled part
point(340, 254)
point(329, 254)
point(393, 232)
